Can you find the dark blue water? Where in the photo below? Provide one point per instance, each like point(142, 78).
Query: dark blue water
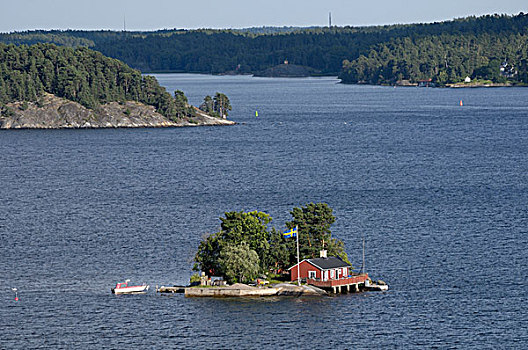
point(438, 190)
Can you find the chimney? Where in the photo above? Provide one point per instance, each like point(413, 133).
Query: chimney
point(322, 253)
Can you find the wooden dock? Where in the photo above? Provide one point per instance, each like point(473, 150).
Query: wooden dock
point(174, 289)
point(348, 284)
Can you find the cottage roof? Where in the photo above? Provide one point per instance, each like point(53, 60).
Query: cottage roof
point(331, 262)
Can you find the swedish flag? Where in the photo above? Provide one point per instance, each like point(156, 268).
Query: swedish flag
point(290, 233)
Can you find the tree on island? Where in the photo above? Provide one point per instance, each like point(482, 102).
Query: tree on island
point(208, 105)
point(217, 106)
point(236, 228)
point(245, 246)
point(314, 221)
point(221, 104)
point(182, 104)
point(281, 252)
point(240, 262)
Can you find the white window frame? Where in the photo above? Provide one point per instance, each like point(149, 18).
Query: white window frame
point(312, 274)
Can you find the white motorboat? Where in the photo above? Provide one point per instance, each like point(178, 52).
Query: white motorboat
point(124, 288)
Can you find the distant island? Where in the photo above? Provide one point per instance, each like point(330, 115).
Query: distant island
point(287, 70)
point(486, 48)
point(46, 86)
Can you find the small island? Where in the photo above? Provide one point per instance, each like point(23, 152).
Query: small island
point(287, 70)
point(44, 86)
point(247, 259)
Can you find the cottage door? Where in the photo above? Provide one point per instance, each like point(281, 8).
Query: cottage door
point(325, 276)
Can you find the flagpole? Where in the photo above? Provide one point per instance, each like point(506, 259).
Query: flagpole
point(298, 267)
point(363, 266)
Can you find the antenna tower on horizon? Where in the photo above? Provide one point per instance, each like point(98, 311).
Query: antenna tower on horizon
point(329, 19)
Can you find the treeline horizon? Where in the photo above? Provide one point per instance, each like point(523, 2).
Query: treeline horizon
point(444, 52)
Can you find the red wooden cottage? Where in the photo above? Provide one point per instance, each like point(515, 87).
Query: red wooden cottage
point(331, 272)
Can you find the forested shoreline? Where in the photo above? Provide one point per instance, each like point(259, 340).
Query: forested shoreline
point(89, 78)
point(445, 52)
point(444, 59)
point(80, 75)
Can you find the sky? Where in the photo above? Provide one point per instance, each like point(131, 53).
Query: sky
point(21, 15)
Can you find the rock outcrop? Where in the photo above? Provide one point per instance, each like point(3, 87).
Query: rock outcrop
point(287, 71)
point(243, 290)
point(287, 289)
point(52, 112)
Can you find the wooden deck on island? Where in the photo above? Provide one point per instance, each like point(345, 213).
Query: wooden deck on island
point(349, 283)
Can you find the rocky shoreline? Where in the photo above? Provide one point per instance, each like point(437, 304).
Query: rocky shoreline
point(478, 85)
point(244, 290)
point(52, 112)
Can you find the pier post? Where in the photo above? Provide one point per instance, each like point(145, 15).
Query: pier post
point(334, 288)
point(348, 288)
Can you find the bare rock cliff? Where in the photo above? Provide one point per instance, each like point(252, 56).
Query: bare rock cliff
point(53, 112)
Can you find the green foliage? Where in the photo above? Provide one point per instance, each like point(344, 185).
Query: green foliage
point(40, 36)
point(208, 255)
point(236, 228)
point(221, 105)
point(195, 279)
point(446, 58)
point(208, 105)
point(245, 233)
point(240, 262)
point(250, 227)
point(314, 221)
point(282, 253)
point(217, 106)
point(83, 76)
point(7, 111)
point(490, 71)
